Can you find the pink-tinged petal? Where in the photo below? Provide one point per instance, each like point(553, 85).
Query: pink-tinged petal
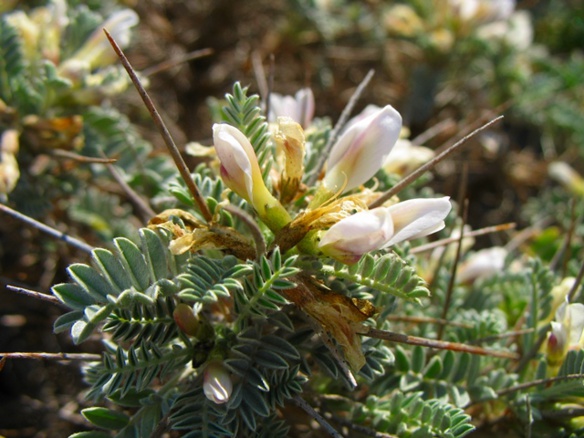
point(362, 148)
point(299, 107)
point(305, 102)
point(238, 161)
point(356, 235)
point(557, 344)
point(241, 172)
point(417, 218)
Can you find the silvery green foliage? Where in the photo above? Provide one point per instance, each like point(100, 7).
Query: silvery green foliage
point(154, 371)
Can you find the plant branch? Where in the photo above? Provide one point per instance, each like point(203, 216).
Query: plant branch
point(429, 165)
point(140, 203)
point(474, 233)
point(50, 356)
point(450, 288)
point(166, 65)
point(34, 294)
point(432, 343)
point(61, 153)
point(47, 230)
point(172, 148)
point(319, 418)
point(426, 320)
point(433, 131)
point(545, 382)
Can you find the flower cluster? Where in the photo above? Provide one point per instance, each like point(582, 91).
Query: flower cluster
point(336, 230)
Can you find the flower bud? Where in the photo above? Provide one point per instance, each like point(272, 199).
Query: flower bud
point(361, 150)
point(185, 319)
point(557, 344)
point(241, 173)
point(566, 332)
point(290, 140)
point(217, 384)
point(299, 108)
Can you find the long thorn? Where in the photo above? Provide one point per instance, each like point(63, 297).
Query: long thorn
point(432, 131)
point(319, 418)
point(51, 356)
point(339, 125)
point(432, 343)
point(34, 294)
point(475, 233)
point(48, 230)
point(140, 203)
point(60, 153)
point(545, 382)
point(172, 148)
point(450, 288)
point(426, 320)
point(166, 65)
point(429, 165)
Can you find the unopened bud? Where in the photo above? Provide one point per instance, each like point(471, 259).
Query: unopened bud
point(217, 384)
point(185, 319)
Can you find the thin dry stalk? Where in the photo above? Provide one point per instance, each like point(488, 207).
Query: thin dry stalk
point(475, 233)
point(429, 165)
point(300, 402)
point(172, 148)
point(450, 289)
point(36, 295)
point(433, 343)
point(168, 64)
point(51, 356)
point(47, 230)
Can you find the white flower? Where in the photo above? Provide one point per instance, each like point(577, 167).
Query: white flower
point(516, 31)
point(217, 384)
point(566, 332)
point(299, 107)
point(482, 10)
point(361, 149)
point(417, 218)
point(483, 263)
point(358, 234)
point(382, 227)
point(406, 157)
